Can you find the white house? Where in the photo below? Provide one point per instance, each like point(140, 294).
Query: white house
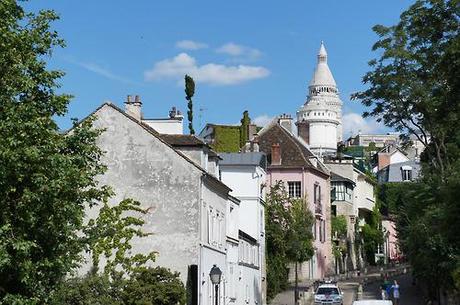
point(176, 178)
point(354, 197)
point(245, 174)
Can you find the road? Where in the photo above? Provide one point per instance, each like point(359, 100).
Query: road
point(410, 295)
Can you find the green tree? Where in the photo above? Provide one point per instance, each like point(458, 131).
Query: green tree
point(154, 286)
point(46, 178)
point(189, 92)
point(244, 128)
point(414, 88)
point(300, 236)
point(414, 85)
point(278, 219)
point(288, 236)
point(148, 286)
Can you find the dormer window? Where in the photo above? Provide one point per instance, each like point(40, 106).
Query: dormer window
point(406, 173)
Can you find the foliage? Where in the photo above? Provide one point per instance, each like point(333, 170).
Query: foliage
point(391, 194)
point(339, 226)
point(300, 247)
point(370, 235)
point(189, 92)
point(244, 128)
point(288, 236)
point(154, 286)
point(415, 80)
point(414, 88)
point(46, 178)
point(339, 232)
point(110, 234)
point(149, 286)
point(227, 138)
point(92, 289)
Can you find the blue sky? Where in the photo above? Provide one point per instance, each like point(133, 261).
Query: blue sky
point(245, 55)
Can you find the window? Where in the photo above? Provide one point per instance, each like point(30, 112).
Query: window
point(248, 253)
point(406, 172)
point(317, 198)
point(294, 189)
point(314, 230)
point(342, 191)
point(215, 228)
point(317, 194)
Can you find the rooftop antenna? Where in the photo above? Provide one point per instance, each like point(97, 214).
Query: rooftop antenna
point(200, 115)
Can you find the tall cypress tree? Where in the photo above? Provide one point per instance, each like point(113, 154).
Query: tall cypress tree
point(189, 92)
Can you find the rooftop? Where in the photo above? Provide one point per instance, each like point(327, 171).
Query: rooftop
point(247, 158)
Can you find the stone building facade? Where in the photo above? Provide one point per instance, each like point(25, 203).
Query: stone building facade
point(176, 179)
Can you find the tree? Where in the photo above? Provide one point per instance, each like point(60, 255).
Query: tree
point(154, 286)
point(244, 128)
point(276, 230)
point(339, 235)
point(46, 178)
point(414, 85)
point(414, 88)
point(288, 236)
point(189, 92)
point(148, 286)
point(300, 236)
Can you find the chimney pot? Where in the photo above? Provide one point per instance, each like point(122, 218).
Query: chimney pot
point(133, 108)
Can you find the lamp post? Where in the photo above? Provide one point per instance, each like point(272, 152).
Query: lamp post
point(215, 274)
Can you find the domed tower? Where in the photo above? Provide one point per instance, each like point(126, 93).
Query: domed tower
point(319, 120)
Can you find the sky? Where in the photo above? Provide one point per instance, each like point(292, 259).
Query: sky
point(244, 55)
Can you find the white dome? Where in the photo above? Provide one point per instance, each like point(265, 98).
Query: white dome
point(322, 76)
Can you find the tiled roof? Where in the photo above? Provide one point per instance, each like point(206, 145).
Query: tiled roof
point(182, 140)
point(247, 158)
point(293, 151)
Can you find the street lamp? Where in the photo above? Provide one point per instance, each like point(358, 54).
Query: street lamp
point(215, 274)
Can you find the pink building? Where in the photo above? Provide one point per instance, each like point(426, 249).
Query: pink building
point(290, 161)
point(391, 247)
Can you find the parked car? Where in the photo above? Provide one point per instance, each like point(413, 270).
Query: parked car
point(373, 302)
point(328, 293)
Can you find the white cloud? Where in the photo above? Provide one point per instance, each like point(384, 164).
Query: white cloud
point(354, 123)
point(211, 73)
point(190, 45)
point(237, 50)
point(262, 120)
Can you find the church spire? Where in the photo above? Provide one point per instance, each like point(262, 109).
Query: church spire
point(322, 54)
point(322, 75)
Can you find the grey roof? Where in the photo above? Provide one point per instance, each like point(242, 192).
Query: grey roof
point(392, 172)
point(247, 158)
point(338, 178)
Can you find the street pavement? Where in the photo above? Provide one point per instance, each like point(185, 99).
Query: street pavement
point(410, 294)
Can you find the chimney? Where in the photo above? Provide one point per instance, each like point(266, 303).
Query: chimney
point(285, 120)
point(255, 143)
point(383, 160)
point(303, 131)
point(133, 108)
point(276, 154)
point(252, 130)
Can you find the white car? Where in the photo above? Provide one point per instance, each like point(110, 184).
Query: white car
point(373, 302)
point(328, 294)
